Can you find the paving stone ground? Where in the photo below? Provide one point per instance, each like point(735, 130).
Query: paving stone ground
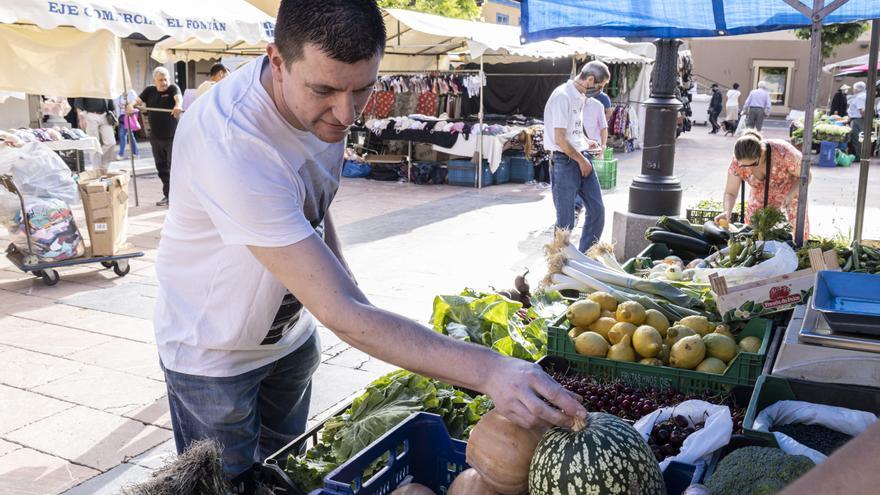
point(83, 407)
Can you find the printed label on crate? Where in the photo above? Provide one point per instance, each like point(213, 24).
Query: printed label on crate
point(100, 227)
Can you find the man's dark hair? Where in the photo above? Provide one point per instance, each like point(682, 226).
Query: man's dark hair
point(345, 30)
point(714, 86)
point(735, 85)
point(216, 69)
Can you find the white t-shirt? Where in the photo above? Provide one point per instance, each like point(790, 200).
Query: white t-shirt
point(733, 98)
point(564, 110)
point(243, 176)
point(594, 119)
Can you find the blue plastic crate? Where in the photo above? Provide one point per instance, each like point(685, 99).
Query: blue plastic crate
point(462, 173)
point(419, 447)
point(850, 302)
point(521, 169)
point(502, 174)
point(827, 154)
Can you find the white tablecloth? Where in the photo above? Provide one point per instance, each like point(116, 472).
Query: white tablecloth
point(493, 147)
point(85, 144)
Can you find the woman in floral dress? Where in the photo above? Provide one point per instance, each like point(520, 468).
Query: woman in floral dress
point(750, 164)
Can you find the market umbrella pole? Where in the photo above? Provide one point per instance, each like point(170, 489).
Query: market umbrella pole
point(134, 181)
point(867, 142)
point(812, 87)
point(480, 134)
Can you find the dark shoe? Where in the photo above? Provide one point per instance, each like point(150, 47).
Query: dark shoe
point(163, 202)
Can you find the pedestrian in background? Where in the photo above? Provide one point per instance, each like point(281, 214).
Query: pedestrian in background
point(732, 105)
point(571, 171)
point(127, 122)
point(839, 102)
point(215, 75)
point(757, 107)
point(856, 113)
point(163, 124)
point(715, 109)
point(94, 115)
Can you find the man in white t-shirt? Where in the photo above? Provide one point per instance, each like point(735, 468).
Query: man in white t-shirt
point(595, 122)
point(257, 163)
point(572, 173)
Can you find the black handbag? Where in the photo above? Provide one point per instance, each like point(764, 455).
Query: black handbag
point(112, 119)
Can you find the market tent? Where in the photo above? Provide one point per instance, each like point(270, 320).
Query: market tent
point(33, 59)
point(850, 62)
point(549, 19)
point(858, 71)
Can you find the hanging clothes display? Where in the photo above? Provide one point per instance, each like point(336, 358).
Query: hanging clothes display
point(380, 104)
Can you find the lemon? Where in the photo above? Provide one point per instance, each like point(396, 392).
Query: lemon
point(723, 330)
point(622, 351)
point(605, 300)
point(651, 361)
point(750, 344)
point(699, 324)
point(712, 365)
point(602, 326)
point(687, 353)
point(677, 332)
point(657, 320)
point(631, 312)
point(720, 346)
point(647, 341)
point(574, 332)
point(619, 330)
point(583, 313)
point(591, 344)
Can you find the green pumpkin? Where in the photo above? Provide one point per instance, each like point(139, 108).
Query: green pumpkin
point(607, 456)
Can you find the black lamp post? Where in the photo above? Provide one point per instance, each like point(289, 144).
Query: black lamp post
point(657, 191)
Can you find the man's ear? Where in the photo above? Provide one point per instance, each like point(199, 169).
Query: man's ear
point(276, 61)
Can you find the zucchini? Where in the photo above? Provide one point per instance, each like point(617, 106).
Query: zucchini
point(679, 242)
point(715, 234)
point(679, 226)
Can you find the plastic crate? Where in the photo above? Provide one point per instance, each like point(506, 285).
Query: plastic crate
point(522, 170)
point(745, 368)
point(463, 173)
point(502, 174)
point(827, 151)
point(419, 447)
point(770, 389)
point(607, 172)
point(656, 251)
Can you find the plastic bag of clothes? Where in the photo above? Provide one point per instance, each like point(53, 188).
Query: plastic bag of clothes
point(48, 189)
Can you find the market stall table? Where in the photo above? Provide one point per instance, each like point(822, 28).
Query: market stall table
point(84, 144)
point(493, 146)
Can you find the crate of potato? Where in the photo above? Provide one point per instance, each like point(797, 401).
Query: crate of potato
point(600, 337)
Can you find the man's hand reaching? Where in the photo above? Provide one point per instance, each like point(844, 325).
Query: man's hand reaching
point(586, 167)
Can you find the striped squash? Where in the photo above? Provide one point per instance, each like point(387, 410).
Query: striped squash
point(604, 457)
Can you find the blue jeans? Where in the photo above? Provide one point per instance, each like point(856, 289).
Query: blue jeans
point(569, 185)
point(251, 415)
point(123, 137)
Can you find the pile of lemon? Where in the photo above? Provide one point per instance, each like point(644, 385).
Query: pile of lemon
point(600, 327)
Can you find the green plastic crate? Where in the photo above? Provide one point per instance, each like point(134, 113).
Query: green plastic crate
point(771, 389)
point(606, 170)
point(744, 370)
point(656, 251)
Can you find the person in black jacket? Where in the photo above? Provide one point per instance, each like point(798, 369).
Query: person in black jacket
point(838, 102)
point(715, 109)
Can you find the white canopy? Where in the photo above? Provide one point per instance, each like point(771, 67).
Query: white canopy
point(419, 41)
point(227, 20)
point(850, 62)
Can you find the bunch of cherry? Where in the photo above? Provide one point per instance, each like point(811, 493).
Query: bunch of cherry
point(668, 436)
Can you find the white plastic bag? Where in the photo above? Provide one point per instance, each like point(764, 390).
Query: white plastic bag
point(784, 261)
point(716, 431)
point(786, 412)
point(39, 171)
point(740, 126)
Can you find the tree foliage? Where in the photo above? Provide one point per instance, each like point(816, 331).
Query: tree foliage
point(834, 35)
point(461, 9)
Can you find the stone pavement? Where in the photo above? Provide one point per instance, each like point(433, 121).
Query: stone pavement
point(84, 409)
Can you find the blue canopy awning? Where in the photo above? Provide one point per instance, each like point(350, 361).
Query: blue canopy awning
point(549, 19)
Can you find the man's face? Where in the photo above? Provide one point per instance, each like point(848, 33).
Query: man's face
point(161, 81)
point(590, 87)
point(319, 94)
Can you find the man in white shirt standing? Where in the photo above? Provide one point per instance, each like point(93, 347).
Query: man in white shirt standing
point(757, 106)
point(595, 123)
point(856, 112)
point(572, 173)
point(257, 165)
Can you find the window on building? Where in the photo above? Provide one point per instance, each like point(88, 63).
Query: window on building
point(502, 19)
point(777, 75)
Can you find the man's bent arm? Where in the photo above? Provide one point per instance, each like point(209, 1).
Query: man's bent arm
point(311, 272)
point(331, 238)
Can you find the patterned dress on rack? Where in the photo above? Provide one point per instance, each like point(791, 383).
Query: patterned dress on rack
point(784, 182)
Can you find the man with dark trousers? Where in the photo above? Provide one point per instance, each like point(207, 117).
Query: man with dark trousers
point(715, 109)
point(163, 124)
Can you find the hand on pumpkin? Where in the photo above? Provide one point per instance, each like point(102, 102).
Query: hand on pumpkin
point(521, 392)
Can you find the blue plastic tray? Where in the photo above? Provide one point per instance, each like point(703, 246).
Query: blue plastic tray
point(850, 302)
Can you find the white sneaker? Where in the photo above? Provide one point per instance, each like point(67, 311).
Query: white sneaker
point(531, 183)
point(543, 185)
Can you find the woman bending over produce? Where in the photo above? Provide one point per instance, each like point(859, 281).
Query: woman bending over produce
point(754, 158)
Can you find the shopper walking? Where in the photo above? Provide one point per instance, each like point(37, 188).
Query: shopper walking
point(571, 170)
point(249, 226)
point(772, 169)
point(757, 107)
point(94, 114)
point(163, 95)
point(595, 123)
point(126, 123)
point(856, 113)
point(215, 75)
point(732, 104)
point(839, 102)
point(715, 109)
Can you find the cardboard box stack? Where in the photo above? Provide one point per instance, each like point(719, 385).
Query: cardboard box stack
point(105, 201)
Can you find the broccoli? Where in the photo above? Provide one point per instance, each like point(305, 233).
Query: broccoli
point(757, 471)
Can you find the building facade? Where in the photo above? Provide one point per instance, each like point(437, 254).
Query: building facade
point(501, 12)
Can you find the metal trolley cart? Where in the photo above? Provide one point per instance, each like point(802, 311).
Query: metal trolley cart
point(27, 262)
